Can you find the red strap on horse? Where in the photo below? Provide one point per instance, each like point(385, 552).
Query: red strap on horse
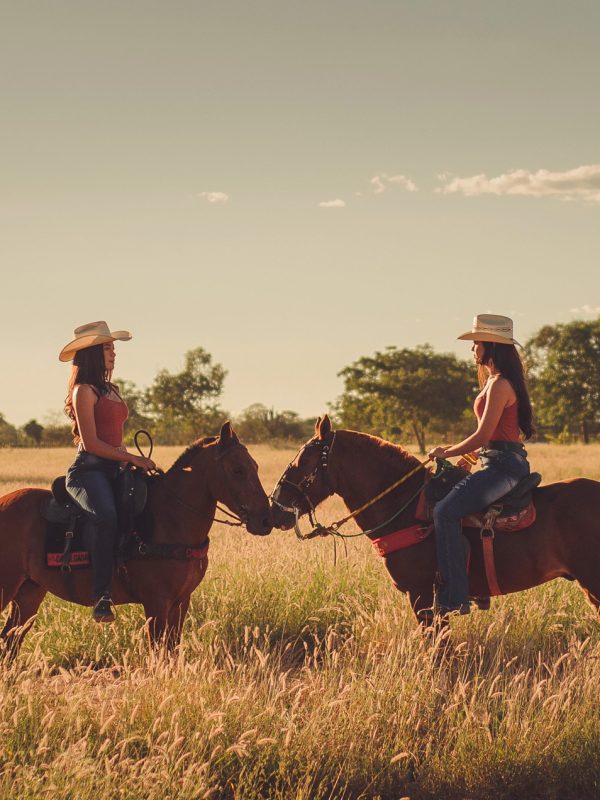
point(398, 540)
point(488, 560)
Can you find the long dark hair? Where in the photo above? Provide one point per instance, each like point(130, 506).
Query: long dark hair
point(88, 367)
point(508, 363)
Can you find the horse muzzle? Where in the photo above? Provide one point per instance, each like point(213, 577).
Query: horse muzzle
point(258, 524)
point(281, 518)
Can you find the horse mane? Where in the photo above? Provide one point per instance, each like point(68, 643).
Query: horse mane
point(188, 454)
point(394, 453)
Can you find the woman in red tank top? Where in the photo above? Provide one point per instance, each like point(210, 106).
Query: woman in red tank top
point(503, 412)
point(98, 414)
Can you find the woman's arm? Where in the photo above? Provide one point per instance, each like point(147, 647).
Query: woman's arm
point(499, 396)
point(84, 400)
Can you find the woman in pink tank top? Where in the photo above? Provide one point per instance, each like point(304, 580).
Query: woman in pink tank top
point(503, 412)
point(98, 414)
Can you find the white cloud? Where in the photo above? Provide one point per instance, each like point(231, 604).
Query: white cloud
point(581, 183)
point(381, 182)
point(337, 203)
point(378, 185)
point(215, 197)
point(585, 309)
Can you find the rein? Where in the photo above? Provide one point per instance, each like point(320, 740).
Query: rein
point(334, 528)
point(239, 521)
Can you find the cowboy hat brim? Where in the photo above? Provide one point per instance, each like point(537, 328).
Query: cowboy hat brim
point(69, 350)
point(482, 336)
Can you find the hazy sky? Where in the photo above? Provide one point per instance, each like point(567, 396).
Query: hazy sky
point(290, 185)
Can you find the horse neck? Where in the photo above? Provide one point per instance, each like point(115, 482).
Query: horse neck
point(182, 504)
point(362, 467)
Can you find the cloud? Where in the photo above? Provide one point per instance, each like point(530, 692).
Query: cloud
point(581, 183)
point(337, 203)
point(380, 182)
point(585, 309)
point(215, 197)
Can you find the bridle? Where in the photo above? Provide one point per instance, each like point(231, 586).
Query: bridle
point(321, 467)
point(326, 446)
point(234, 521)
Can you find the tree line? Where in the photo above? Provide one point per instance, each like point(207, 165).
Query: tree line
point(405, 395)
point(176, 409)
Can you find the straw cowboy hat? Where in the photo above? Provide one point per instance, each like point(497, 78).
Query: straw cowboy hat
point(89, 335)
point(491, 328)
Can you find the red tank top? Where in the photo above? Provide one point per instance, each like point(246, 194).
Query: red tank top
point(507, 429)
point(110, 416)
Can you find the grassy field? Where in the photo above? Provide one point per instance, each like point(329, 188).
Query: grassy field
point(303, 679)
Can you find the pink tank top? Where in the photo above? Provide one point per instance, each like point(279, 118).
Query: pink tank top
point(110, 416)
point(507, 429)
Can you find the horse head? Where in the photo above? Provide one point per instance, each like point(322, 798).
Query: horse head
point(305, 481)
point(233, 480)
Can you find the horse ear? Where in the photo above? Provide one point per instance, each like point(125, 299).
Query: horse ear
point(227, 433)
point(323, 427)
point(317, 423)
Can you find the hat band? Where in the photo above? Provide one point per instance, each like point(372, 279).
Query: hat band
point(486, 329)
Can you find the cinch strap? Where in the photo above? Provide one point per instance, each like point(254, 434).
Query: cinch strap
point(399, 540)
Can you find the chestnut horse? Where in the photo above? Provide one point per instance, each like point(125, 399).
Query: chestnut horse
point(564, 541)
point(182, 503)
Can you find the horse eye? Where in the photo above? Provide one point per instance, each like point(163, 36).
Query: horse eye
point(238, 470)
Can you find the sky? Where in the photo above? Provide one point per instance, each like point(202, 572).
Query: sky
point(290, 185)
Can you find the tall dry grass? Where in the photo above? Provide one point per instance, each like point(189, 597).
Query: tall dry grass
point(301, 679)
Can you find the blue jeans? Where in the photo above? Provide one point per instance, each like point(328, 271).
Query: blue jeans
point(90, 483)
point(500, 473)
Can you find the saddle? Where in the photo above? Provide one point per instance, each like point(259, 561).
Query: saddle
point(68, 531)
point(514, 511)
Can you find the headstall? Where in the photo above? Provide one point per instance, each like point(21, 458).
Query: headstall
point(302, 487)
point(308, 480)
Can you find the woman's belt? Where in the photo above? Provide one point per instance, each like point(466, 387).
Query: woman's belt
point(509, 447)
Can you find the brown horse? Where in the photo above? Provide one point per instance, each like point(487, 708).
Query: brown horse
point(182, 503)
point(564, 541)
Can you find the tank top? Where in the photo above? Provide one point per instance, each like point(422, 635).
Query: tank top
point(507, 429)
point(110, 416)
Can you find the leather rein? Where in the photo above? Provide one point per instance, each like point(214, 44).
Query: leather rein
point(239, 520)
point(321, 467)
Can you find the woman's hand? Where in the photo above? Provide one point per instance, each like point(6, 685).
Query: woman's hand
point(143, 463)
point(437, 452)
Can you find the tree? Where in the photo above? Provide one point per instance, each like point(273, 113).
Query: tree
point(564, 370)
point(184, 404)
point(257, 423)
point(137, 419)
point(56, 435)
point(57, 430)
point(9, 436)
point(395, 389)
point(34, 430)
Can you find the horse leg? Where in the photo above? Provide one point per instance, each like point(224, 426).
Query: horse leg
point(435, 626)
point(175, 622)
point(20, 619)
point(591, 589)
point(9, 590)
point(422, 605)
point(157, 613)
